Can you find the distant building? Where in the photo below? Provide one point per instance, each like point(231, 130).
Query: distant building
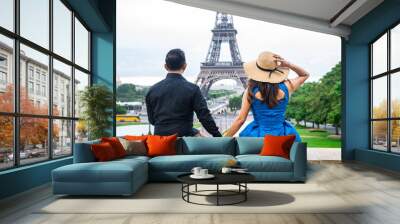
point(34, 79)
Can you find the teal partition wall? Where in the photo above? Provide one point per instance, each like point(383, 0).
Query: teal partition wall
point(103, 65)
point(356, 72)
point(100, 17)
point(104, 54)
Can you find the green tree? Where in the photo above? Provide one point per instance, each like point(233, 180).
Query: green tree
point(318, 102)
point(299, 106)
point(97, 103)
point(235, 103)
point(121, 109)
point(129, 92)
point(332, 82)
point(212, 94)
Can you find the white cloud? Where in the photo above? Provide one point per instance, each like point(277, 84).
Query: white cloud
point(147, 29)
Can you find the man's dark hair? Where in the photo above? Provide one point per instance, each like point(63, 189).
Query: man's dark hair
point(175, 59)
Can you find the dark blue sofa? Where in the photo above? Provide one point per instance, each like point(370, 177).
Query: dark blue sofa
point(125, 176)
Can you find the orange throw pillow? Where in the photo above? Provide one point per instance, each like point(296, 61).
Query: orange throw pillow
point(103, 152)
point(161, 145)
point(277, 145)
point(136, 138)
point(116, 145)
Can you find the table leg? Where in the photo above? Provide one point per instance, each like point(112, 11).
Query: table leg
point(188, 190)
point(245, 193)
point(195, 188)
point(217, 194)
point(182, 190)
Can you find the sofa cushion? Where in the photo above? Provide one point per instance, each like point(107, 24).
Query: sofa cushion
point(249, 145)
point(134, 147)
point(185, 163)
point(116, 145)
point(161, 145)
point(277, 145)
point(112, 171)
point(207, 145)
point(133, 158)
point(136, 137)
point(103, 152)
point(257, 163)
point(83, 152)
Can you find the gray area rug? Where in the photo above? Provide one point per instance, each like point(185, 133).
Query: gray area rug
point(166, 198)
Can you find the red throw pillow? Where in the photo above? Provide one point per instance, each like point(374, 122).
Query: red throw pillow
point(136, 138)
point(103, 152)
point(116, 145)
point(277, 145)
point(161, 145)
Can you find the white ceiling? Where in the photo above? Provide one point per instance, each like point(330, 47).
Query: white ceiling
point(321, 9)
point(315, 15)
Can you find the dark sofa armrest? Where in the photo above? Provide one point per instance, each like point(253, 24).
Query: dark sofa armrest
point(298, 155)
point(83, 152)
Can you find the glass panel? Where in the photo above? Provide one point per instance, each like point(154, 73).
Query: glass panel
point(395, 136)
point(62, 29)
point(62, 138)
point(35, 21)
point(81, 82)
point(395, 95)
point(379, 98)
point(379, 135)
point(395, 47)
point(34, 97)
point(379, 55)
point(81, 45)
point(81, 131)
point(6, 142)
point(6, 75)
point(62, 89)
point(33, 139)
point(7, 14)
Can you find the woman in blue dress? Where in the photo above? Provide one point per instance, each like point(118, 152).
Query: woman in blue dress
point(267, 96)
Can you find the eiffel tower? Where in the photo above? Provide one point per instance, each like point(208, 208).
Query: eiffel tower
point(213, 70)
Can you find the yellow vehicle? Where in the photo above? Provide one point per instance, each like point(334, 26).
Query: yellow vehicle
point(127, 118)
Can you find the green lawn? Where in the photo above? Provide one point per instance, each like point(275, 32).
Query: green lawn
point(317, 139)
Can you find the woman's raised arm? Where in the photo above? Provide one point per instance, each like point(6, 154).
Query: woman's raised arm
point(295, 83)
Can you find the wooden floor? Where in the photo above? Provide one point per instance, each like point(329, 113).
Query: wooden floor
point(377, 188)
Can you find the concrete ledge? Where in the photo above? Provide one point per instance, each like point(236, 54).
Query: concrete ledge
point(324, 154)
point(384, 160)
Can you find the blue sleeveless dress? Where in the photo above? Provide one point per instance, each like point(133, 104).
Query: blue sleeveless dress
point(270, 121)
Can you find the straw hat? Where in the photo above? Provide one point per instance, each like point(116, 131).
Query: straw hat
point(265, 69)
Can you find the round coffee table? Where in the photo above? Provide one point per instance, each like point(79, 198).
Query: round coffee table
point(238, 179)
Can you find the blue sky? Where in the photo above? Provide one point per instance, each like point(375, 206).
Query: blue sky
point(147, 29)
